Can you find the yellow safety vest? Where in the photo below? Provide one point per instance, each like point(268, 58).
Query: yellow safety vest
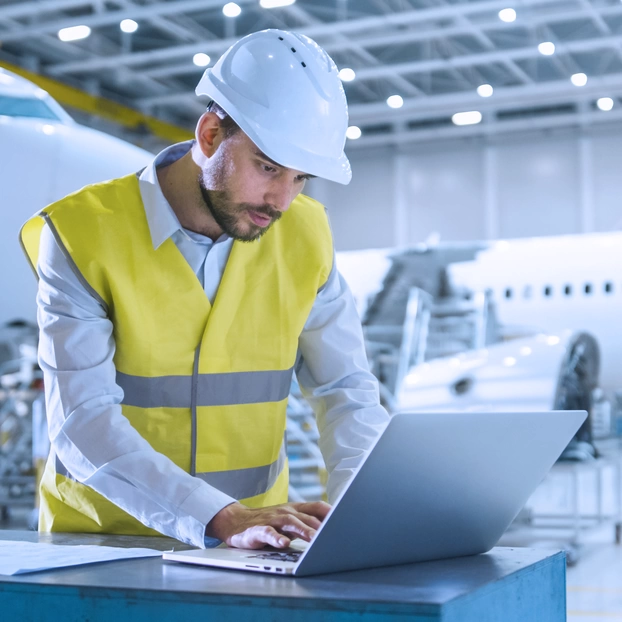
point(206, 385)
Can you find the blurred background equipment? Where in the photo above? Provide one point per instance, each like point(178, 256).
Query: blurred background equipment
point(20, 388)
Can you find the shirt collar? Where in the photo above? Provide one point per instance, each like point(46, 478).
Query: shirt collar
point(162, 221)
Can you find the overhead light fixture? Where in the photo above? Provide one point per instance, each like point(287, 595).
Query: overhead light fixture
point(472, 117)
point(201, 59)
point(74, 33)
point(128, 25)
point(353, 132)
point(275, 4)
point(485, 90)
point(547, 48)
point(395, 101)
point(605, 104)
point(509, 361)
point(578, 79)
point(507, 15)
point(347, 74)
point(231, 9)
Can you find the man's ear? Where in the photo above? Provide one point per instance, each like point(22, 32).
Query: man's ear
point(209, 133)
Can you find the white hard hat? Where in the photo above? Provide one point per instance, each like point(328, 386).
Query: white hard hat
point(283, 90)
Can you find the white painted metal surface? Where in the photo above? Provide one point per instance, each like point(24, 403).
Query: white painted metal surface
point(556, 283)
point(45, 155)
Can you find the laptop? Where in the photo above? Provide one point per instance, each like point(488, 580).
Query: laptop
point(433, 486)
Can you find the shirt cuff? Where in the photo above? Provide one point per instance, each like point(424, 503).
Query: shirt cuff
point(211, 543)
point(200, 507)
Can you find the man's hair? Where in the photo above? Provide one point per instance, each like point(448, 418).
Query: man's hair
point(227, 124)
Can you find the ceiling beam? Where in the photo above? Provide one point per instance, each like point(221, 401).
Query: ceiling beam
point(519, 126)
point(556, 92)
point(111, 17)
point(440, 64)
point(395, 38)
point(318, 31)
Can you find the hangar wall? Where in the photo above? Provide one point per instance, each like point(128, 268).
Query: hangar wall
point(541, 184)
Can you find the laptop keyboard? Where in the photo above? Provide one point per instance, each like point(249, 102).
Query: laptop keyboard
point(291, 556)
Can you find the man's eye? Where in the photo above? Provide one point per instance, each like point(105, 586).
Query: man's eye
point(268, 169)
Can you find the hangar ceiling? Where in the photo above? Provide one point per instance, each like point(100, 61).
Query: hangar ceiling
point(434, 54)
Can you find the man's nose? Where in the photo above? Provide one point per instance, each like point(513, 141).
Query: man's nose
point(280, 195)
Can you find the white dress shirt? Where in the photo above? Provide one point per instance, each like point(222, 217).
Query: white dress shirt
point(95, 441)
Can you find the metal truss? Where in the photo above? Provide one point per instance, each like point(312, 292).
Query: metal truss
point(433, 53)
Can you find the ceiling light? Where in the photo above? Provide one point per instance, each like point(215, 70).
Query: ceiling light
point(507, 15)
point(128, 25)
point(485, 90)
point(471, 117)
point(353, 132)
point(74, 33)
point(605, 104)
point(395, 101)
point(275, 4)
point(231, 9)
point(347, 74)
point(201, 60)
point(578, 79)
point(547, 48)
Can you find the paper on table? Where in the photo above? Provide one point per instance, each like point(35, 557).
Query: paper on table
point(20, 557)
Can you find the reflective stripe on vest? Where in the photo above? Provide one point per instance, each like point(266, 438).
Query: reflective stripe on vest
point(238, 483)
point(250, 387)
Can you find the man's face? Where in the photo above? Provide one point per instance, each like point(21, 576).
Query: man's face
point(244, 190)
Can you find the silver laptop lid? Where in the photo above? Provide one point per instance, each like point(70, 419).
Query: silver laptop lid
point(439, 485)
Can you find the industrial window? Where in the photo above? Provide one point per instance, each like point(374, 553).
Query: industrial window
point(568, 290)
point(548, 291)
point(587, 289)
point(608, 287)
point(26, 107)
point(508, 293)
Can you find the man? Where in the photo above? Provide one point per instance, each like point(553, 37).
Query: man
point(175, 305)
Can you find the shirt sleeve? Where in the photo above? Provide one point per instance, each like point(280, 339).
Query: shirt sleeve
point(88, 431)
point(334, 377)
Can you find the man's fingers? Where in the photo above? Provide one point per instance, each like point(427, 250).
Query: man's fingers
point(308, 520)
point(318, 509)
point(274, 526)
point(259, 536)
point(292, 525)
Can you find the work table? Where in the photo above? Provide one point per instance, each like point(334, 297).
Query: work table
point(504, 585)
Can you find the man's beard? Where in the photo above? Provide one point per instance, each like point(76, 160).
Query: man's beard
point(228, 214)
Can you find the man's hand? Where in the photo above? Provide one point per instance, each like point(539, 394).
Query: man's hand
point(277, 525)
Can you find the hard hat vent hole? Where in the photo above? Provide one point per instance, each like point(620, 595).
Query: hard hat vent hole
point(293, 50)
point(303, 64)
point(281, 39)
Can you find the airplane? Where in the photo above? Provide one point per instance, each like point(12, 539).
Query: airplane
point(555, 302)
point(44, 155)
